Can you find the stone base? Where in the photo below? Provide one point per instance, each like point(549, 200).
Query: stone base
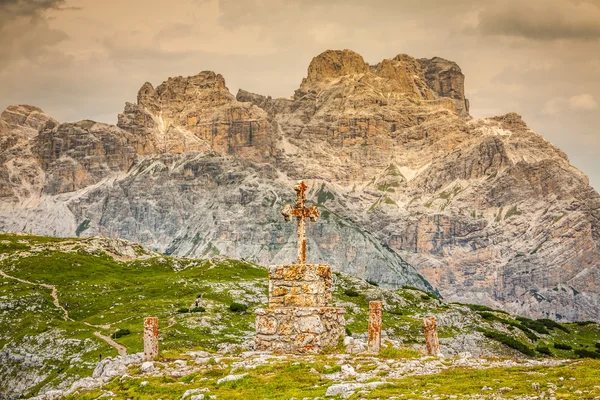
point(299, 329)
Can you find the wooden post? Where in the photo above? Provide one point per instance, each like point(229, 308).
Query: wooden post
point(150, 338)
point(431, 336)
point(375, 312)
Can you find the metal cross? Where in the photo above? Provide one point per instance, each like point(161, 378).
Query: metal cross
point(301, 212)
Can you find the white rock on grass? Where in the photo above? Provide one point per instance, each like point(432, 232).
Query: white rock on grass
point(193, 392)
point(230, 378)
point(345, 390)
point(147, 366)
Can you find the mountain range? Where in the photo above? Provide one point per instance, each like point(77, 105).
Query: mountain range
point(413, 191)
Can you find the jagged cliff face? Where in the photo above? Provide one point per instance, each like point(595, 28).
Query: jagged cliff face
point(486, 209)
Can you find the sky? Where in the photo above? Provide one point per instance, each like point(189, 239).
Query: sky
point(83, 59)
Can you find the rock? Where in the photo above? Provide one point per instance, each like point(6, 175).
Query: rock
point(333, 64)
point(229, 348)
point(192, 393)
point(230, 378)
point(147, 366)
point(346, 390)
point(110, 367)
point(446, 79)
point(348, 370)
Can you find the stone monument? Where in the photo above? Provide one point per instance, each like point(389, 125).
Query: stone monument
point(431, 336)
point(298, 319)
point(375, 314)
point(150, 338)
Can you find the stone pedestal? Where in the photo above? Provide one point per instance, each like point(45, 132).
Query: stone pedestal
point(150, 338)
point(298, 319)
point(375, 314)
point(298, 329)
point(431, 336)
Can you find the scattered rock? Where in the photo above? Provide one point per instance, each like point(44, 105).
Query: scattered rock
point(147, 366)
point(230, 378)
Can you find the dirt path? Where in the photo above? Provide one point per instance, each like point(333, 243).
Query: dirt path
point(44, 285)
point(107, 326)
point(120, 348)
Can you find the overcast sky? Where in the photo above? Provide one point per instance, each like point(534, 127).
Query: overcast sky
point(82, 59)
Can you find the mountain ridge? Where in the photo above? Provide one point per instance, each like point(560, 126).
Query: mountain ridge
point(486, 209)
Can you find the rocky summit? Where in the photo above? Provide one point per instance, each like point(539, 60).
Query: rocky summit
point(412, 189)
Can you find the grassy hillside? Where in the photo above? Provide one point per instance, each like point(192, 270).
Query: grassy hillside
point(109, 286)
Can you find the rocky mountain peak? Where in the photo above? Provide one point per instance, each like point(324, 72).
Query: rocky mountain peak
point(26, 116)
point(333, 64)
point(446, 79)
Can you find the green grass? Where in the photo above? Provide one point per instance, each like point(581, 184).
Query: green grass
point(509, 341)
point(465, 382)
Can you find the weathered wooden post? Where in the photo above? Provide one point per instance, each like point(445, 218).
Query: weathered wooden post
point(375, 313)
point(431, 336)
point(150, 338)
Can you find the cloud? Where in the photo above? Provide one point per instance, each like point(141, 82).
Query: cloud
point(11, 9)
point(580, 102)
point(542, 19)
point(584, 101)
point(25, 32)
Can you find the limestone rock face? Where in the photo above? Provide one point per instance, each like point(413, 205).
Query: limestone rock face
point(196, 113)
point(333, 64)
point(74, 156)
point(447, 80)
point(21, 175)
point(486, 209)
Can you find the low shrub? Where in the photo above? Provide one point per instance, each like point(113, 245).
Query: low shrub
point(425, 297)
point(508, 341)
point(584, 323)
point(479, 307)
point(562, 346)
point(543, 349)
point(492, 317)
point(394, 311)
point(238, 307)
point(198, 309)
point(582, 353)
point(348, 332)
point(550, 324)
point(351, 293)
point(372, 282)
point(183, 310)
point(120, 332)
point(537, 326)
point(488, 316)
point(597, 345)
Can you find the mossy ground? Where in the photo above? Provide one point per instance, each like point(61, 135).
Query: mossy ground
point(100, 290)
point(292, 379)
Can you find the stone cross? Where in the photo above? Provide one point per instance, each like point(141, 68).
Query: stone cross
point(150, 338)
point(375, 313)
point(431, 336)
point(301, 213)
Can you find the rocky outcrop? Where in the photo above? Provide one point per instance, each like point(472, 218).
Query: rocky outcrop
point(446, 79)
point(77, 155)
point(486, 209)
point(196, 113)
